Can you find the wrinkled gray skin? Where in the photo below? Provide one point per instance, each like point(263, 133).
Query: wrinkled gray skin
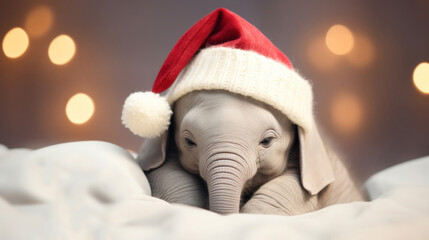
point(230, 153)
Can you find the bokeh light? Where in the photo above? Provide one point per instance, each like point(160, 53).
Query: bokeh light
point(346, 113)
point(61, 50)
point(15, 42)
point(319, 55)
point(421, 77)
point(339, 39)
point(79, 108)
point(38, 21)
point(363, 52)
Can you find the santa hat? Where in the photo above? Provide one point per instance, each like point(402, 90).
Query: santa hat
point(222, 51)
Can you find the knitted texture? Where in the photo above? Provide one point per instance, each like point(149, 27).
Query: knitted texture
point(250, 74)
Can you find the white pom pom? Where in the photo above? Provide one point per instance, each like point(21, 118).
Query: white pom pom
point(146, 114)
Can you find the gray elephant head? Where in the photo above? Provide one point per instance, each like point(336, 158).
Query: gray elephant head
point(236, 144)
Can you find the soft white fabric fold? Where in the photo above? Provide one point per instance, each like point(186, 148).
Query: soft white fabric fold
point(94, 190)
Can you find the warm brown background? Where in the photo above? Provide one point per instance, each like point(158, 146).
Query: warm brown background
point(122, 44)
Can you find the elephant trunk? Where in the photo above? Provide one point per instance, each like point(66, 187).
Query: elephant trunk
point(225, 175)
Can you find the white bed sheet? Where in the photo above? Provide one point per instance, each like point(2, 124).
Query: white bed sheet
point(94, 190)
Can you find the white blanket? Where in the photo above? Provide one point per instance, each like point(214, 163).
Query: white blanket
point(94, 190)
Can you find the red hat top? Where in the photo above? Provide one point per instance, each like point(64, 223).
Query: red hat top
point(221, 28)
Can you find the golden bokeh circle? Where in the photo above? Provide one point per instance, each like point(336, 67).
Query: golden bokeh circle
point(421, 77)
point(38, 21)
point(339, 39)
point(79, 108)
point(62, 49)
point(15, 42)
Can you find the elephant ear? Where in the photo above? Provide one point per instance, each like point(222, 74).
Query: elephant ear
point(153, 151)
point(316, 168)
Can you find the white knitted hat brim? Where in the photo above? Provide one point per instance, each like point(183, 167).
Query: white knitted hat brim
point(250, 74)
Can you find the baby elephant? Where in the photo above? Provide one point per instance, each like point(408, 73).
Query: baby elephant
point(230, 153)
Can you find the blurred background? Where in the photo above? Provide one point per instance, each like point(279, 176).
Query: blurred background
point(66, 68)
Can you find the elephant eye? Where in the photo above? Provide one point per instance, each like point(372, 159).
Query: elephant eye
point(266, 142)
point(190, 143)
